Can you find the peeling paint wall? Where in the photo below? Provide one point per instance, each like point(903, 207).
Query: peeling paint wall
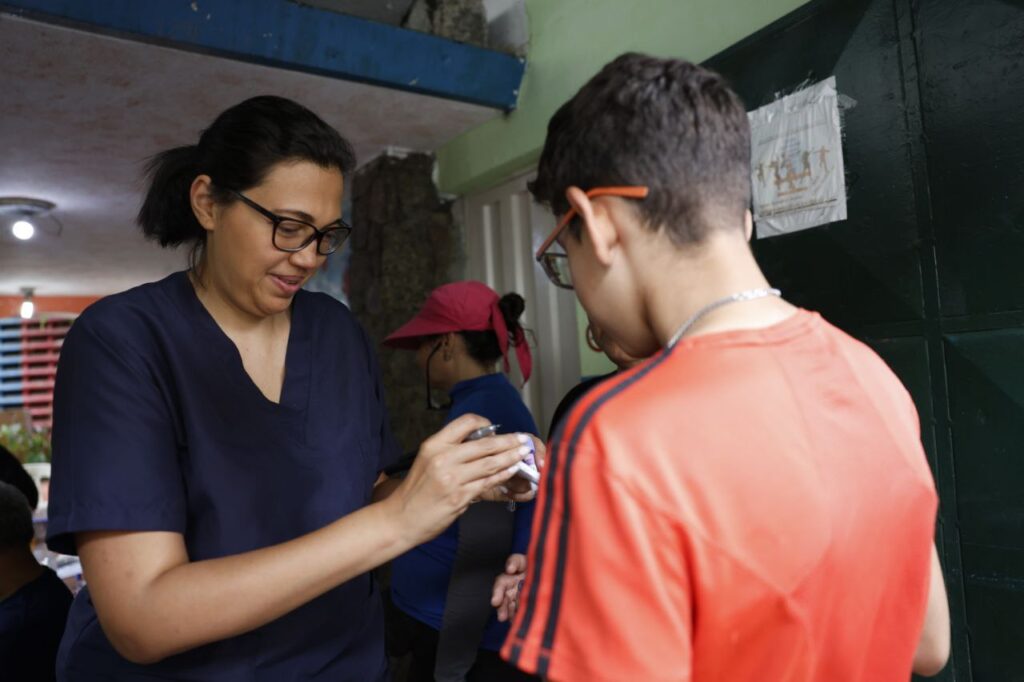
point(404, 246)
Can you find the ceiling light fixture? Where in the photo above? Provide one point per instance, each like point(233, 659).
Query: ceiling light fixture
point(23, 229)
point(26, 216)
point(28, 308)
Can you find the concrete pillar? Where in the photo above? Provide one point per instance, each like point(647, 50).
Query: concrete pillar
point(404, 244)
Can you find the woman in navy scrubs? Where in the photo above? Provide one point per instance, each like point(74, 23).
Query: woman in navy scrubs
point(217, 434)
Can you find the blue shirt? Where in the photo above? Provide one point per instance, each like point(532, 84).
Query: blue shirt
point(158, 427)
point(419, 578)
point(31, 624)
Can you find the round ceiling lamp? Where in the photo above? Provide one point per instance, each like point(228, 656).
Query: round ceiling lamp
point(23, 229)
point(27, 217)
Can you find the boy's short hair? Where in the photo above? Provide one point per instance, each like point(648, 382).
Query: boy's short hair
point(667, 124)
point(15, 518)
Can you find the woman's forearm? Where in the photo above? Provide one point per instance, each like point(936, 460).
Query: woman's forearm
point(153, 601)
point(176, 605)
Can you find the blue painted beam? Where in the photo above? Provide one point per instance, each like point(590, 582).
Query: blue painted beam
point(287, 35)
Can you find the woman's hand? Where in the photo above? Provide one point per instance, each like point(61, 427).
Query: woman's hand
point(518, 489)
point(449, 474)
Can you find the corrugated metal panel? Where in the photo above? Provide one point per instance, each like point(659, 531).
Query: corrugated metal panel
point(503, 227)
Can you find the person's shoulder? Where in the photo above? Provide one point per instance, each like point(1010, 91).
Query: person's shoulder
point(581, 389)
point(875, 376)
point(625, 395)
point(44, 593)
point(50, 589)
point(515, 414)
point(880, 388)
point(633, 423)
point(130, 315)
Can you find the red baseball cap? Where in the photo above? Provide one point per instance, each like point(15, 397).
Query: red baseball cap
point(468, 306)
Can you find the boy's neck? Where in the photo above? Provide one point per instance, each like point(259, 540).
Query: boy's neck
point(687, 281)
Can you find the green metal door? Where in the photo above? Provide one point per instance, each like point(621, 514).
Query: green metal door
point(929, 267)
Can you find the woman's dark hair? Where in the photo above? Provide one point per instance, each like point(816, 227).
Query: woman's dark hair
point(483, 346)
point(237, 151)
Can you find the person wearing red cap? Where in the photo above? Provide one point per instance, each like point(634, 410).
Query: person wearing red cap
point(440, 590)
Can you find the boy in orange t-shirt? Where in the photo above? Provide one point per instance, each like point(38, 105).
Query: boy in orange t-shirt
point(752, 502)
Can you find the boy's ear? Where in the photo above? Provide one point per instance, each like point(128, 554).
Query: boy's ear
point(598, 228)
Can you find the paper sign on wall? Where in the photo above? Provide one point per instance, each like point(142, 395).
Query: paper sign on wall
point(797, 161)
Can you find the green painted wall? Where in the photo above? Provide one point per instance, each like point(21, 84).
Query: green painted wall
point(569, 42)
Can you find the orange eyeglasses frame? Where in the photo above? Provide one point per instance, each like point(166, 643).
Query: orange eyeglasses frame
point(626, 191)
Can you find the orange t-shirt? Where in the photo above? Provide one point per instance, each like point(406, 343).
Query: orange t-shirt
point(748, 505)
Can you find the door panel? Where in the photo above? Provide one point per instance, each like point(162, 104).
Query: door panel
point(927, 269)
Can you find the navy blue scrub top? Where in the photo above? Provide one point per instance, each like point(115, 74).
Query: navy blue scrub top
point(158, 427)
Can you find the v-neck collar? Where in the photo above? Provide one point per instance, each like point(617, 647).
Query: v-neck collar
point(298, 355)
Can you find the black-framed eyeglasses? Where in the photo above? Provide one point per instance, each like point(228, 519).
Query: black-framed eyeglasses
point(291, 235)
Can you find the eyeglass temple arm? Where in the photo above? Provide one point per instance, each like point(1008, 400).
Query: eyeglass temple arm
point(634, 192)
